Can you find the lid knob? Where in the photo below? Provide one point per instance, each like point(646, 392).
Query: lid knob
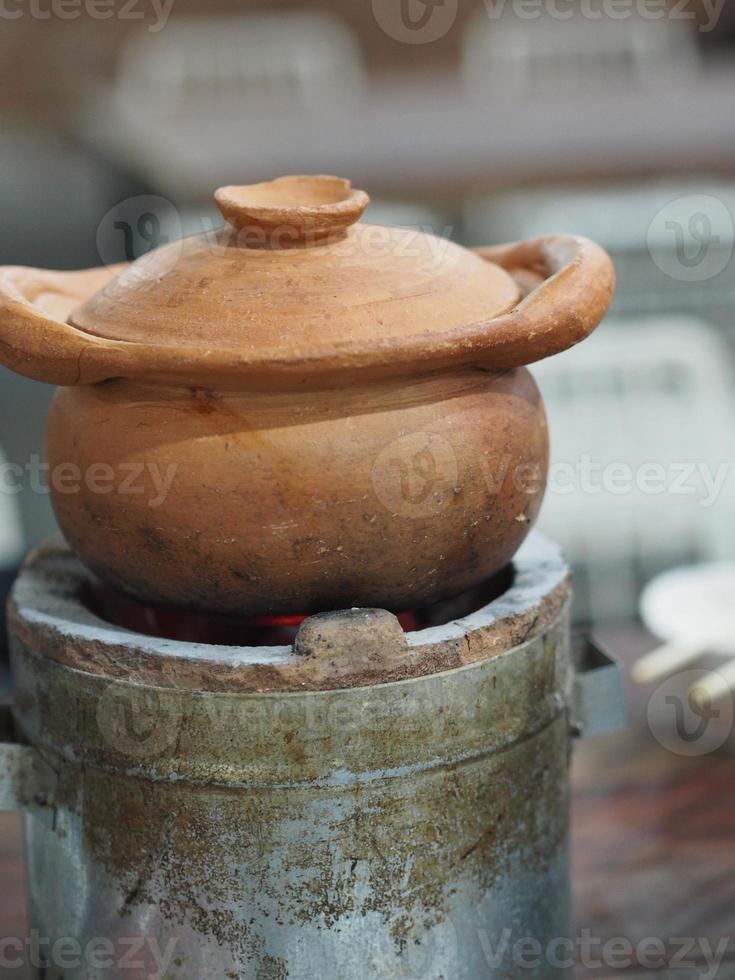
point(297, 208)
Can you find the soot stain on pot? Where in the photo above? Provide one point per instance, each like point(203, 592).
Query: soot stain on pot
point(153, 540)
point(205, 400)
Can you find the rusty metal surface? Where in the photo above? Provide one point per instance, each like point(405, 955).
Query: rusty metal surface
point(412, 829)
point(263, 739)
point(411, 876)
point(387, 832)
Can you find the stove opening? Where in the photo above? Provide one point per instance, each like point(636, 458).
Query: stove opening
point(171, 623)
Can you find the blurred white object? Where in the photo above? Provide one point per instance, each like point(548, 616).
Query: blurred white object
point(642, 419)
point(299, 57)
point(693, 609)
point(12, 544)
point(532, 53)
point(691, 603)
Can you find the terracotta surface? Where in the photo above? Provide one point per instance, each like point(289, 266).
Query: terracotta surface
point(297, 296)
point(246, 308)
point(319, 414)
point(293, 503)
point(308, 206)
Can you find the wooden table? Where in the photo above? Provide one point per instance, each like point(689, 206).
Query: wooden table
point(653, 847)
point(653, 838)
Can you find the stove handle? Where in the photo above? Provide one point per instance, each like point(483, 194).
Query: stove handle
point(27, 782)
point(599, 703)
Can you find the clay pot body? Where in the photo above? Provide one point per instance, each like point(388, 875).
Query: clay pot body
point(298, 412)
point(262, 503)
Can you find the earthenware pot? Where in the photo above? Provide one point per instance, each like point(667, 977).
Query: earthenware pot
point(299, 411)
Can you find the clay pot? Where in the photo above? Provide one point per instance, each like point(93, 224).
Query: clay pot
point(300, 412)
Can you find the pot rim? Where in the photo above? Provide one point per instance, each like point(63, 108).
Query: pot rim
point(566, 283)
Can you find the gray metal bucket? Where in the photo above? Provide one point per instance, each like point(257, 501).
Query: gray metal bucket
point(414, 828)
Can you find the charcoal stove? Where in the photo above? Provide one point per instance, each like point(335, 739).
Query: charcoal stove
point(368, 801)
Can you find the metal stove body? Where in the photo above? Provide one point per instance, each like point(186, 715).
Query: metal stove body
point(368, 803)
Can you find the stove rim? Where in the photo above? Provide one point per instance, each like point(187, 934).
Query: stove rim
point(538, 554)
point(46, 610)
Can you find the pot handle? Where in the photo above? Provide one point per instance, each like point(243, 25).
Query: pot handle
point(567, 283)
point(35, 340)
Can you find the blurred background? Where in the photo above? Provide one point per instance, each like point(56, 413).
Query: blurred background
point(488, 121)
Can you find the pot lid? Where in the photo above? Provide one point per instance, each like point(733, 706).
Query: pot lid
point(292, 273)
